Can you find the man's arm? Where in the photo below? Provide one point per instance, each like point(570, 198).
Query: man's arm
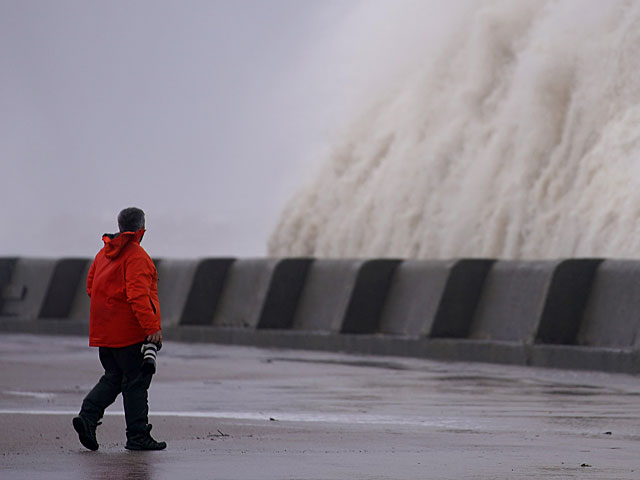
point(138, 283)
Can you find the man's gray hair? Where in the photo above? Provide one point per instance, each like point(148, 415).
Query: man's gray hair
point(131, 219)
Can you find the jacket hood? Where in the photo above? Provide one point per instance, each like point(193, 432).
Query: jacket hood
point(115, 242)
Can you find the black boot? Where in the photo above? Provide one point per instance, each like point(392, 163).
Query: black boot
point(144, 441)
point(86, 432)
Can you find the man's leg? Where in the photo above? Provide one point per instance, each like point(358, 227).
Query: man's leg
point(135, 386)
point(105, 391)
point(98, 399)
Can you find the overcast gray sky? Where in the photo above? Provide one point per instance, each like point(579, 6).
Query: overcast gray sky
point(206, 114)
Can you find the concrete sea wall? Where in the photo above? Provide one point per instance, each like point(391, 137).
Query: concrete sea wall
point(571, 313)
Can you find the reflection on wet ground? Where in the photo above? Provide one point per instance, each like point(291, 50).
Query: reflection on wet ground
point(118, 465)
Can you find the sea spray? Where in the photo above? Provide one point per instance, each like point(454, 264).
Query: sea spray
point(520, 138)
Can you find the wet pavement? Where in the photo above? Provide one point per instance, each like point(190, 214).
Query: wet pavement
point(246, 413)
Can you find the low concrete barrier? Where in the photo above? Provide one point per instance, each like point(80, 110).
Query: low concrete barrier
point(283, 296)
point(79, 310)
point(612, 314)
point(414, 296)
point(206, 290)
point(368, 296)
point(534, 301)
point(7, 266)
point(325, 297)
point(174, 283)
point(512, 301)
point(460, 298)
point(434, 298)
point(244, 293)
point(24, 294)
point(65, 282)
point(566, 301)
point(573, 313)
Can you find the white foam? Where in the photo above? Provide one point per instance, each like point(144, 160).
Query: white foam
point(520, 138)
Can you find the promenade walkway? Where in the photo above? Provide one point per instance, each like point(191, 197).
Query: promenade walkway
point(238, 413)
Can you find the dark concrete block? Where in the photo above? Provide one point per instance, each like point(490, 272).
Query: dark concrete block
point(206, 291)
point(612, 314)
point(284, 292)
point(24, 295)
point(66, 279)
point(460, 298)
point(368, 296)
point(326, 295)
point(566, 301)
point(244, 293)
point(7, 266)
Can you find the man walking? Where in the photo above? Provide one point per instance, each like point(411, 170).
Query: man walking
point(124, 313)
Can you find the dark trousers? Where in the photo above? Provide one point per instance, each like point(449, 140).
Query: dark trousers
point(122, 374)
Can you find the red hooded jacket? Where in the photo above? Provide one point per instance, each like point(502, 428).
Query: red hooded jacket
point(123, 286)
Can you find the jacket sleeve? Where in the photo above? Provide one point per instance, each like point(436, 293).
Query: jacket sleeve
point(139, 283)
point(92, 271)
